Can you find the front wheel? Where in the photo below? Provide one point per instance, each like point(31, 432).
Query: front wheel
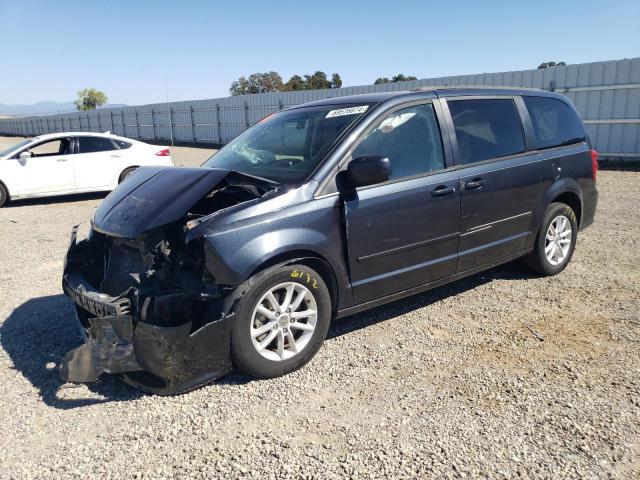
point(556, 240)
point(4, 196)
point(281, 322)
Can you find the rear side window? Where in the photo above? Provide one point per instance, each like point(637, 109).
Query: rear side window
point(95, 144)
point(554, 122)
point(122, 145)
point(410, 138)
point(486, 129)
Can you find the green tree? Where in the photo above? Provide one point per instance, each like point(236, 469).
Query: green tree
point(257, 83)
point(544, 65)
point(296, 82)
point(396, 78)
point(90, 99)
point(402, 78)
point(336, 81)
point(272, 82)
point(317, 81)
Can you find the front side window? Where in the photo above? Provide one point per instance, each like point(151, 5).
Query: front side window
point(287, 146)
point(59, 146)
point(486, 128)
point(409, 138)
point(94, 144)
point(554, 123)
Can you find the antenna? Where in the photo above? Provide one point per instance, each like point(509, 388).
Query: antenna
point(166, 95)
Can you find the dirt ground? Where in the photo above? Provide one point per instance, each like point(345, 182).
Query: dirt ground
point(501, 375)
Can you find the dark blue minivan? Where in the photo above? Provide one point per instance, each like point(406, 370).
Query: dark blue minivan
point(317, 212)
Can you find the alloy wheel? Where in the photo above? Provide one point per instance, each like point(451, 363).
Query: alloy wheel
point(558, 240)
point(283, 321)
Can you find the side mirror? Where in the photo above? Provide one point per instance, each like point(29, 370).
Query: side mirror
point(367, 170)
point(24, 155)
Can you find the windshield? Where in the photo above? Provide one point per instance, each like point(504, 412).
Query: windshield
point(287, 146)
point(15, 147)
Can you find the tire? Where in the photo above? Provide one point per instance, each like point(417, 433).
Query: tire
point(539, 259)
point(4, 196)
point(125, 173)
point(272, 361)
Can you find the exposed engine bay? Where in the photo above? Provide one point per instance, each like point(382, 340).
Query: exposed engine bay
point(149, 307)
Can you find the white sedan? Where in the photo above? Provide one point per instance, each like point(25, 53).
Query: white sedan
point(72, 162)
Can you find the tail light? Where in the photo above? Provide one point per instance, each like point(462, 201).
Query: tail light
point(163, 153)
point(594, 163)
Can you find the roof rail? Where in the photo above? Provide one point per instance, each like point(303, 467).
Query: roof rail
point(428, 88)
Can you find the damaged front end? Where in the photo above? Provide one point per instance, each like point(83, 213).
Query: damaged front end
point(148, 307)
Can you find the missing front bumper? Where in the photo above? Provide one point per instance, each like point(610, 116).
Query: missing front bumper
point(153, 344)
point(161, 360)
point(108, 348)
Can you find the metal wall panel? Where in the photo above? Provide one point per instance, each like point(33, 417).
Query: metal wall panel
point(606, 94)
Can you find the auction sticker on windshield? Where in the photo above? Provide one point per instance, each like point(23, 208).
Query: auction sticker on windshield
point(347, 111)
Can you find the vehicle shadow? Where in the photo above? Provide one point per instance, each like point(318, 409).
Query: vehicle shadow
point(36, 337)
point(509, 271)
point(78, 197)
point(39, 332)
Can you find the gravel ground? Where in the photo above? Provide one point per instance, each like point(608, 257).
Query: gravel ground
point(501, 375)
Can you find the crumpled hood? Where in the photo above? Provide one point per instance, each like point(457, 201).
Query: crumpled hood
point(153, 196)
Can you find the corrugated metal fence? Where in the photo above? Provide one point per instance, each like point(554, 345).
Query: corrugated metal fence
point(607, 95)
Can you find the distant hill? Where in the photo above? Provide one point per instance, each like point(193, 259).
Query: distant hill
point(44, 108)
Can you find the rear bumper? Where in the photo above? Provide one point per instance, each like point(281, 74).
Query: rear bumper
point(156, 358)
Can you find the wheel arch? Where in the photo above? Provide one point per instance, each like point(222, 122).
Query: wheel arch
point(304, 257)
point(565, 190)
point(4, 185)
point(571, 199)
point(128, 167)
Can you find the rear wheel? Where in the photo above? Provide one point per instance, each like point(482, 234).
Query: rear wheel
point(281, 322)
point(125, 173)
point(556, 240)
point(4, 195)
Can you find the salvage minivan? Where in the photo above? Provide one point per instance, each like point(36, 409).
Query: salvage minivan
point(317, 212)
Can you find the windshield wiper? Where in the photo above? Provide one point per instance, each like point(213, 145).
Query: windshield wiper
point(269, 182)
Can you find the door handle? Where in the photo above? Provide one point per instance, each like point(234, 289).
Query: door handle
point(115, 156)
point(61, 159)
point(442, 190)
point(475, 184)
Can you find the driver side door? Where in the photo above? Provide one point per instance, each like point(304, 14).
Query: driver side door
point(404, 232)
point(49, 169)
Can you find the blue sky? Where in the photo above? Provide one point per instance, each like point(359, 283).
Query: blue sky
point(51, 49)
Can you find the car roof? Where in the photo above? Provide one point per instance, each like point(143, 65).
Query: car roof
point(378, 97)
point(431, 91)
point(50, 136)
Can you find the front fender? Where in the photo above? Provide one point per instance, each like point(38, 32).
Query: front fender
point(232, 261)
point(313, 228)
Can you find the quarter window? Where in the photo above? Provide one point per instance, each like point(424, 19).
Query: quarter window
point(122, 144)
point(410, 138)
point(486, 128)
point(554, 123)
point(95, 144)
